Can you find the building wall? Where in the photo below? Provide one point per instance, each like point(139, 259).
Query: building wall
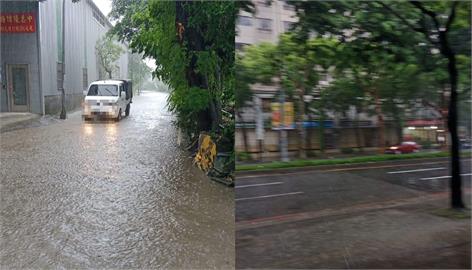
point(20, 48)
point(336, 138)
point(279, 15)
point(84, 25)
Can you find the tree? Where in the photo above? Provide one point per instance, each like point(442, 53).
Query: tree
point(108, 53)
point(293, 65)
point(138, 71)
point(242, 94)
point(192, 43)
point(431, 26)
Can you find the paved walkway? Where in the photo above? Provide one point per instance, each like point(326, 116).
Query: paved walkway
point(14, 120)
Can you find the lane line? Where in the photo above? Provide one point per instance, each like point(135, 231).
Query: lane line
point(269, 196)
point(418, 170)
point(258, 185)
point(315, 169)
point(442, 177)
point(356, 208)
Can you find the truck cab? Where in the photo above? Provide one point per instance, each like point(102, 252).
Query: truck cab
point(108, 99)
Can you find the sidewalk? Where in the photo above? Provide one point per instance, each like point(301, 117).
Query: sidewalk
point(10, 121)
point(14, 120)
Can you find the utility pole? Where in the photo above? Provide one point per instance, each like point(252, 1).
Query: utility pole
point(63, 66)
point(282, 130)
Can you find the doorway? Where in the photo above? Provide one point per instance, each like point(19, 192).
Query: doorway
point(18, 87)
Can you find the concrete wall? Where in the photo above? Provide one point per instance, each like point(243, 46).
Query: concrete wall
point(21, 48)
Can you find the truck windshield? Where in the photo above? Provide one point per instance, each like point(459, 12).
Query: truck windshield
point(103, 90)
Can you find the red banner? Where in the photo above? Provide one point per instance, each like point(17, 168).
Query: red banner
point(17, 23)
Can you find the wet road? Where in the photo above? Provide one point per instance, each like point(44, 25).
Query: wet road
point(110, 195)
point(352, 216)
point(262, 196)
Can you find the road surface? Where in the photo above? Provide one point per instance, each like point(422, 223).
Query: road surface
point(80, 194)
point(353, 216)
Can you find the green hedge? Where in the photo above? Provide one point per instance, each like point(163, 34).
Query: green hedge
point(318, 162)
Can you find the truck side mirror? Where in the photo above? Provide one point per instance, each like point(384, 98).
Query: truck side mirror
point(85, 92)
point(123, 93)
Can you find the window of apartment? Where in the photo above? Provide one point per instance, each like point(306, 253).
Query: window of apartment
point(97, 16)
point(265, 24)
point(264, 3)
point(240, 46)
point(288, 6)
point(288, 26)
point(244, 20)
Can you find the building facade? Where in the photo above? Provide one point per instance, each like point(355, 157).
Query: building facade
point(351, 129)
point(32, 55)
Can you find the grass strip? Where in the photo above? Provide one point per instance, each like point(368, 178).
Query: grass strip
point(319, 162)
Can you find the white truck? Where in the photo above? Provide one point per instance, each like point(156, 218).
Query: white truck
point(108, 99)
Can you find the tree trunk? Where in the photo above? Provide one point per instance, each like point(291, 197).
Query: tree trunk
point(456, 181)
point(309, 133)
point(246, 146)
point(301, 127)
point(357, 132)
point(380, 123)
point(321, 130)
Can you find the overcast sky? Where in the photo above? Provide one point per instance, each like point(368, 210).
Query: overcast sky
point(103, 5)
point(105, 8)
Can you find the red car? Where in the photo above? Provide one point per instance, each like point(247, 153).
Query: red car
point(403, 148)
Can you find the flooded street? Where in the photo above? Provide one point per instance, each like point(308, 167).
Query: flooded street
point(80, 194)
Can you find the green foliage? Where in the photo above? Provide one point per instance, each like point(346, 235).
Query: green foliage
point(193, 45)
point(244, 156)
point(320, 162)
point(138, 71)
point(347, 150)
point(108, 53)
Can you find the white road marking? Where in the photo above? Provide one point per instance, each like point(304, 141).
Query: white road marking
point(269, 196)
point(418, 170)
point(441, 177)
point(257, 185)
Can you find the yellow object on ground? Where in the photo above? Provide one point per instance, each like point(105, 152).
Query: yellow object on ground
point(206, 153)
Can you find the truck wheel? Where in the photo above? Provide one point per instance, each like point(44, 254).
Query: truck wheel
point(118, 118)
point(128, 107)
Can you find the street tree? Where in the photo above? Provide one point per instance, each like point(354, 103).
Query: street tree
point(192, 43)
point(294, 66)
point(139, 72)
point(108, 53)
point(430, 26)
point(242, 95)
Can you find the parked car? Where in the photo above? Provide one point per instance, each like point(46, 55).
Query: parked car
point(403, 148)
point(108, 99)
point(465, 144)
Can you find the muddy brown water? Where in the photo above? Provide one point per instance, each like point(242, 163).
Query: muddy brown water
point(80, 194)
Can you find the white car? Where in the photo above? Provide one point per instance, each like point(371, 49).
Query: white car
point(108, 99)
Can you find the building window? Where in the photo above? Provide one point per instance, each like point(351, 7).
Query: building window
point(288, 26)
point(264, 3)
point(288, 6)
point(240, 46)
point(97, 16)
point(244, 20)
point(265, 24)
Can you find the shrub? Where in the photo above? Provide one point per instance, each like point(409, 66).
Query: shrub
point(347, 150)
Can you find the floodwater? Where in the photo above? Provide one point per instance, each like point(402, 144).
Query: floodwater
point(122, 194)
